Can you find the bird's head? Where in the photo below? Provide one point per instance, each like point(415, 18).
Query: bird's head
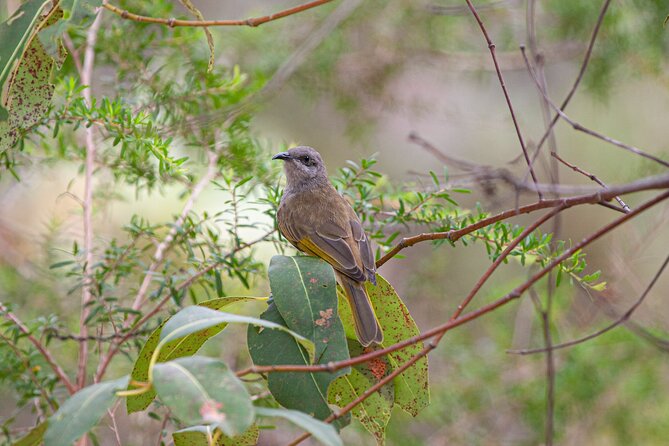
point(302, 164)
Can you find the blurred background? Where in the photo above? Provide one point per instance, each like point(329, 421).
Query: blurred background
point(353, 79)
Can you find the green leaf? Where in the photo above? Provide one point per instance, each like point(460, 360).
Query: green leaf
point(374, 412)
point(322, 432)
point(15, 35)
point(28, 93)
point(305, 300)
point(186, 346)
point(304, 291)
point(75, 13)
point(204, 436)
point(196, 318)
point(204, 390)
point(411, 387)
point(34, 437)
point(78, 414)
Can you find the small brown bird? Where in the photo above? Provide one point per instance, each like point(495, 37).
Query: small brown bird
point(320, 222)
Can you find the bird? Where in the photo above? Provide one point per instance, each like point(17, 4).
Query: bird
point(318, 221)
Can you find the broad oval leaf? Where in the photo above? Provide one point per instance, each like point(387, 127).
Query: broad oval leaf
point(185, 346)
point(194, 319)
point(411, 387)
point(322, 432)
point(78, 414)
point(206, 436)
point(374, 412)
point(204, 390)
point(304, 289)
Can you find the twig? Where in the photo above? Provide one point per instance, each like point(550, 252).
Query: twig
point(57, 369)
point(579, 77)
point(114, 348)
point(576, 126)
point(658, 182)
point(594, 178)
point(253, 22)
point(87, 294)
point(161, 250)
point(491, 47)
point(621, 320)
point(440, 330)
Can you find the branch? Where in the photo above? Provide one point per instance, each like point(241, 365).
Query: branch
point(455, 322)
point(439, 331)
point(253, 22)
point(491, 47)
point(579, 77)
point(60, 373)
point(621, 320)
point(87, 295)
point(657, 182)
point(579, 127)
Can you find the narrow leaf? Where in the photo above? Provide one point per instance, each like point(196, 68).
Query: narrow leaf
point(34, 437)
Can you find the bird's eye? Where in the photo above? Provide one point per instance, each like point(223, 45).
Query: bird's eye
point(306, 160)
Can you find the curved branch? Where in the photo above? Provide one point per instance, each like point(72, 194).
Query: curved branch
point(253, 22)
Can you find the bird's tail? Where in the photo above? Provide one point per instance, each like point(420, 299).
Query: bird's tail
point(367, 327)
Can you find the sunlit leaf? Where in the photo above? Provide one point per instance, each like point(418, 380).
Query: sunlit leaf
point(34, 437)
point(204, 390)
point(185, 346)
point(78, 414)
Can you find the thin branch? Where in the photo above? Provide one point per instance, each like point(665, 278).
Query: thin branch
point(621, 320)
point(593, 177)
point(580, 128)
point(115, 348)
point(57, 369)
point(491, 47)
point(161, 250)
point(253, 22)
point(658, 182)
point(439, 331)
point(87, 294)
point(579, 77)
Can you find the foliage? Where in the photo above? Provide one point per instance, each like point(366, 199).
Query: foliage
point(164, 118)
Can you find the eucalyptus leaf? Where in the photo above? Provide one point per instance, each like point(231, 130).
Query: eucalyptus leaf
point(411, 387)
point(185, 346)
point(79, 413)
point(204, 390)
point(34, 437)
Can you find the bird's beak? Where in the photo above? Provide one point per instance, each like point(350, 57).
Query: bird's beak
point(282, 156)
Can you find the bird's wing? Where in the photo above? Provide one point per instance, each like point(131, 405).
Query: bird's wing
point(327, 240)
point(365, 246)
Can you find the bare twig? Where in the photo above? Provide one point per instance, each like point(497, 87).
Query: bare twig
point(621, 320)
point(491, 47)
point(253, 22)
point(579, 77)
point(593, 177)
point(87, 295)
point(581, 128)
point(57, 369)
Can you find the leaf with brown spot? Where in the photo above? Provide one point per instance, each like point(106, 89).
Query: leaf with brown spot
point(411, 387)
